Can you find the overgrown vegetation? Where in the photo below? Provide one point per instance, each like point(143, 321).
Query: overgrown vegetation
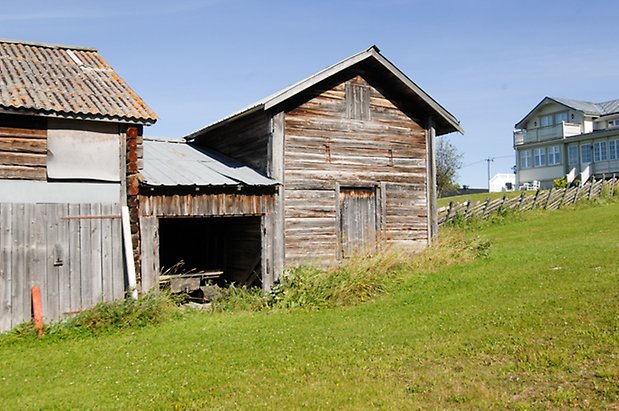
point(104, 318)
point(356, 280)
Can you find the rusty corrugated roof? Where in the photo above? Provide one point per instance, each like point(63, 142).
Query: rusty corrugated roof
point(66, 81)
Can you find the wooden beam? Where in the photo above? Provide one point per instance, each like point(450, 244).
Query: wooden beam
point(276, 164)
point(431, 178)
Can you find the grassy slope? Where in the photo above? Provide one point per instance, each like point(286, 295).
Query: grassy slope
point(443, 202)
point(533, 325)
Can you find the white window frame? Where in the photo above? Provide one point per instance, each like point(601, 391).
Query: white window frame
point(561, 114)
point(525, 159)
point(554, 155)
point(613, 148)
point(539, 157)
point(600, 152)
point(549, 117)
point(586, 148)
point(572, 155)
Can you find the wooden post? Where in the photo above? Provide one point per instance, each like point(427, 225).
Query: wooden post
point(483, 213)
point(130, 263)
point(276, 162)
point(535, 199)
point(431, 176)
point(563, 198)
point(591, 188)
point(503, 203)
point(449, 210)
point(577, 193)
point(522, 196)
point(468, 209)
point(612, 186)
point(548, 199)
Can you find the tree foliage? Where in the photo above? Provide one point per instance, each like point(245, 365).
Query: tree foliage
point(448, 162)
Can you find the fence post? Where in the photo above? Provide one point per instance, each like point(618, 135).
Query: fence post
point(468, 209)
point(577, 193)
point(612, 186)
point(503, 203)
point(451, 206)
point(535, 199)
point(591, 188)
point(563, 198)
point(483, 213)
point(520, 201)
point(548, 199)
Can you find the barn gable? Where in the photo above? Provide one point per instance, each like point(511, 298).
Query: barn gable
point(352, 147)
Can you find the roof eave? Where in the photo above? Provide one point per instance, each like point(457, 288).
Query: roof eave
point(438, 109)
point(77, 116)
point(222, 122)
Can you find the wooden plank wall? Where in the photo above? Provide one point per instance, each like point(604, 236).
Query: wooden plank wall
point(77, 262)
point(245, 140)
point(23, 153)
point(324, 148)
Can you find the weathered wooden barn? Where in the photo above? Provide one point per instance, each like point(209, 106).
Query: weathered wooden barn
point(69, 157)
point(352, 149)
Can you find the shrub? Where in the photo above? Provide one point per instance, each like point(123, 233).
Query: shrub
point(150, 308)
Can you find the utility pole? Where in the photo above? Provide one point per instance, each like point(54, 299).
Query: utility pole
point(489, 160)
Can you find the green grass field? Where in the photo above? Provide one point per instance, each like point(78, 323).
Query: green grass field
point(533, 325)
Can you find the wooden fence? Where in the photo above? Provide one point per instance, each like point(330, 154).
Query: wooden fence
point(73, 252)
point(542, 199)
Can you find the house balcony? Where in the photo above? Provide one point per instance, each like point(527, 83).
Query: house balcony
point(537, 135)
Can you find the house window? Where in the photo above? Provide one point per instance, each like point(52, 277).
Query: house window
point(539, 157)
point(585, 153)
point(545, 121)
point(572, 155)
point(548, 120)
point(357, 101)
point(561, 117)
point(599, 151)
point(554, 155)
point(525, 159)
point(613, 147)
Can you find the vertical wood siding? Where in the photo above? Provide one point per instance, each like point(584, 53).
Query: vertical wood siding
point(77, 262)
point(325, 148)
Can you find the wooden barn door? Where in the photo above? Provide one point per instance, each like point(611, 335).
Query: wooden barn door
point(357, 221)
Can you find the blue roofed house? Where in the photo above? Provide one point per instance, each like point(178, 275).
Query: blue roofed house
point(565, 137)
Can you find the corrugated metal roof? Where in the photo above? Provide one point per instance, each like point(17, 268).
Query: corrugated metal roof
point(177, 163)
point(373, 52)
point(66, 81)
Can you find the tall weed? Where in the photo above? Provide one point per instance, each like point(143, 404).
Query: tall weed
point(150, 308)
point(358, 279)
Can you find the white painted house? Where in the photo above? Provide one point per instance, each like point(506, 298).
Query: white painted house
point(567, 137)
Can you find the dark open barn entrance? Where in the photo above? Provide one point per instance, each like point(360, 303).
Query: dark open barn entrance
point(203, 244)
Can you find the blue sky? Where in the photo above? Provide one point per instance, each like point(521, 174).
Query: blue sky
point(487, 62)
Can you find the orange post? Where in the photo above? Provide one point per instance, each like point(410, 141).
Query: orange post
point(37, 309)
